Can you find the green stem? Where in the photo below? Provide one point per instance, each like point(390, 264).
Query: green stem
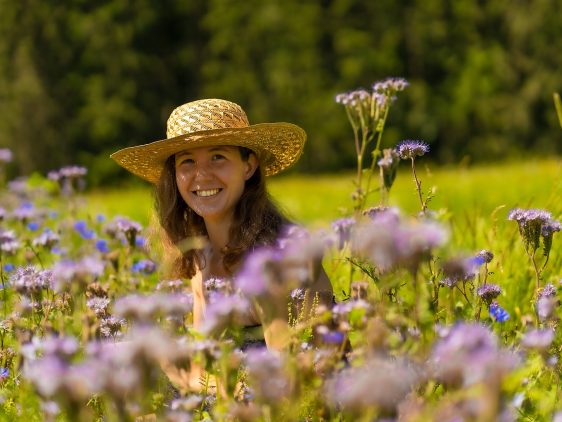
point(376, 151)
point(537, 271)
point(4, 294)
point(418, 186)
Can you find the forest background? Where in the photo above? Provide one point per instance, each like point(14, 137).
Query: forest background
point(81, 79)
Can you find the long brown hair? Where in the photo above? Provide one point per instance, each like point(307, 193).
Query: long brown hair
point(257, 221)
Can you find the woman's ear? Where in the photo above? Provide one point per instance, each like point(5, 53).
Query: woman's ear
point(250, 166)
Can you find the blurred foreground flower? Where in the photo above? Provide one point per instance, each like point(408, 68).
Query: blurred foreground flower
point(5, 155)
point(378, 384)
point(469, 354)
point(539, 340)
point(389, 242)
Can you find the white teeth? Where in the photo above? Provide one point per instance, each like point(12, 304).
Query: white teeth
point(209, 192)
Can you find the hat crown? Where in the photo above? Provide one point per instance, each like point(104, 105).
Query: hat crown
point(206, 114)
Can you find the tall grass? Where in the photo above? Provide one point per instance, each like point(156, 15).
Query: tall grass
point(316, 200)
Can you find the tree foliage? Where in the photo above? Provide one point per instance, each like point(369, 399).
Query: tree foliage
point(81, 79)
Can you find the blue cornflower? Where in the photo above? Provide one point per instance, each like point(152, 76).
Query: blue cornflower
point(101, 245)
point(4, 373)
point(33, 226)
point(81, 227)
point(145, 266)
point(333, 337)
point(498, 313)
point(9, 267)
point(409, 149)
point(100, 218)
point(140, 241)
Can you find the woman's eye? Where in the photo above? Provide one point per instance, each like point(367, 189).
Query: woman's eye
point(217, 157)
point(187, 161)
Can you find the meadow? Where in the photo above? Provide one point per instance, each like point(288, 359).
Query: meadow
point(447, 284)
point(316, 200)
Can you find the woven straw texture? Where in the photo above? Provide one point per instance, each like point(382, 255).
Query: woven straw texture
point(215, 122)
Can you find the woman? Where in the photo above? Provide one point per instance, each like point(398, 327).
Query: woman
point(209, 180)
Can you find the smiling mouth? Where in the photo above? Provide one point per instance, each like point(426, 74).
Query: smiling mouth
point(207, 192)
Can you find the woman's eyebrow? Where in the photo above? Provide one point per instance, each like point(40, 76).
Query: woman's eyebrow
point(219, 148)
point(182, 153)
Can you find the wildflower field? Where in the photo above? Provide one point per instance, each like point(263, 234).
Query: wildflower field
point(446, 282)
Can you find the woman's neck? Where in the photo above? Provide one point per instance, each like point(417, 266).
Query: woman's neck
point(218, 232)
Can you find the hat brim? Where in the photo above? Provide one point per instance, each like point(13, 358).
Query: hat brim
point(277, 145)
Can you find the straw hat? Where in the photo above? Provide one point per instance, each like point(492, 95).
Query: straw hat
point(215, 122)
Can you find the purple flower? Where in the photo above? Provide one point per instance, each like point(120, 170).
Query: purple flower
point(4, 372)
point(389, 166)
point(46, 374)
point(550, 227)
point(220, 285)
point(68, 172)
point(111, 327)
point(145, 308)
point(546, 307)
point(170, 285)
point(127, 228)
point(489, 292)
point(224, 312)
point(8, 242)
point(353, 98)
point(9, 267)
point(378, 383)
point(144, 266)
point(528, 216)
point(257, 272)
point(534, 223)
point(266, 370)
point(298, 294)
point(410, 149)
point(539, 340)
point(390, 84)
point(469, 354)
point(547, 291)
point(24, 212)
point(342, 228)
point(18, 186)
point(100, 218)
point(498, 313)
point(98, 305)
point(5, 155)
point(389, 242)
point(383, 215)
point(66, 272)
point(28, 280)
point(64, 347)
point(47, 239)
point(483, 257)
point(458, 269)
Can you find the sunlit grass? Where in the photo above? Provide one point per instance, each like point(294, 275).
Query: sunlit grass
point(318, 199)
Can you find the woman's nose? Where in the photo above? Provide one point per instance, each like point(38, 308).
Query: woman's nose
point(202, 171)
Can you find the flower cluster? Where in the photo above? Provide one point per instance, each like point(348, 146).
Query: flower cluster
point(410, 149)
point(534, 224)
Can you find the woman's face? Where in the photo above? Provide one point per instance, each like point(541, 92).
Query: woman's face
point(211, 179)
